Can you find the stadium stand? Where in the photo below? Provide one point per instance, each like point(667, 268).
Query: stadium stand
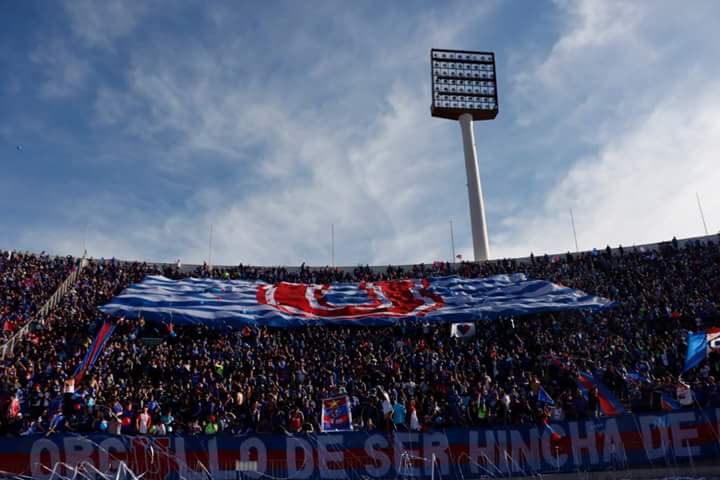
point(160, 379)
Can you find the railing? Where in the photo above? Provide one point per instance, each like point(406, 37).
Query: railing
point(6, 350)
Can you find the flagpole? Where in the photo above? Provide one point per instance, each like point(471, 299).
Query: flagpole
point(702, 215)
point(85, 237)
point(332, 244)
point(452, 241)
point(572, 222)
point(210, 249)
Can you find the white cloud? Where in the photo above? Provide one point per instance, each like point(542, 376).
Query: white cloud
point(609, 108)
point(64, 72)
point(100, 24)
point(649, 109)
point(369, 169)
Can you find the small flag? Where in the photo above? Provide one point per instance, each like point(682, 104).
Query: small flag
point(459, 256)
point(462, 330)
point(668, 403)
point(543, 397)
point(94, 350)
point(554, 436)
point(336, 415)
point(700, 345)
point(609, 405)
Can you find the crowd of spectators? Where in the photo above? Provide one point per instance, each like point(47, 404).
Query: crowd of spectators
point(161, 379)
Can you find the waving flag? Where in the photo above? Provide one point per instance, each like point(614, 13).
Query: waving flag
point(700, 345)
point(554, 436)
point(448, 299)
point(336, 415)
point(94, 350)
point(609, 405)
point(543, 397)
point(668, 403)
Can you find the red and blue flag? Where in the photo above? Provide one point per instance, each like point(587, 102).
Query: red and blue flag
point(609, 404)
point(96, 347)
point(668, 403)
point(336, 415)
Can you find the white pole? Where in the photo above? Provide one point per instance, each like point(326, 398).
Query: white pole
point(452, 241)
point(481, 248)
point(702, 215)
point(572, 222)
point(210, 250)
point(332, 243)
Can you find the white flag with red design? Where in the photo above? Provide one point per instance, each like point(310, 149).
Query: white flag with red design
point(462, 330)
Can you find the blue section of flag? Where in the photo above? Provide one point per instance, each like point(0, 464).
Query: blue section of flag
point(94, 350)
point(336, 414)
point(543, 397)
point(668, 403)
point(697, 350)
point(219, 303)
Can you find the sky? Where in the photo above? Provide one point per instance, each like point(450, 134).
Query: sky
point(131, 129)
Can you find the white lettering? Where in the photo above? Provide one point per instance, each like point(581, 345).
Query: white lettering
point(326, 456)
point(681, 436)
point(551, 454)
point(308, 466)
point(484, 456)
point(245, 447)
point(377, 456)
point(525, 453)
point(647, 425)
point(613, 448)
point(39, 469)
point(588, 442)
point(77, 450)
point(504, 461)
point(405, 457)
point(110, 449)
point(436, 445)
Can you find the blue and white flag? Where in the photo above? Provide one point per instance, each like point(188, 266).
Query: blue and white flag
point(700, 345)
point(440, 299)
point(543, 397)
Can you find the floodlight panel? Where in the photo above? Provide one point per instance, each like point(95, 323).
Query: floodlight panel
point(463, 82)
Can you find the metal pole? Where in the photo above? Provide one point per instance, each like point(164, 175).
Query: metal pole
point(210, 250)
point(481, 248)
point(702, 215)
point(332, 243)
point(572, 221)
point(85, 237)
point(452, 241)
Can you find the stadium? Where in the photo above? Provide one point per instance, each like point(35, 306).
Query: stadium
point(235, 137)
point(591, 387)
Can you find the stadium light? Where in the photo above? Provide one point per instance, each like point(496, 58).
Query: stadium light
point(464, 88)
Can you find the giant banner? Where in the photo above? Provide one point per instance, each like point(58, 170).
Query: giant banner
point(627, 441)
point(238, 302)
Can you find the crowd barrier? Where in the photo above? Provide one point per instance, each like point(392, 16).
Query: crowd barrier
point(617, 443)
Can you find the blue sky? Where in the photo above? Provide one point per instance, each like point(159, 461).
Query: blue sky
point(143, 123)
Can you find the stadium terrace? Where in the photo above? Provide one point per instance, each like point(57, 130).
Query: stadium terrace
point(71, 369)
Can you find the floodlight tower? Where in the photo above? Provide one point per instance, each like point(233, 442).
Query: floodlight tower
point(464, 89)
